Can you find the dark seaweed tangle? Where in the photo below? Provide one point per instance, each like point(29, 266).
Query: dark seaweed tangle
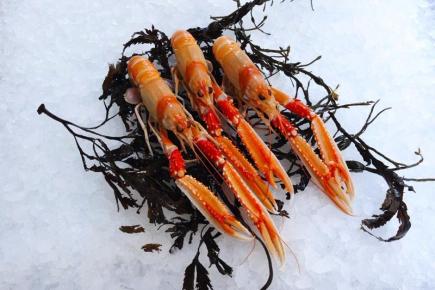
point(140, 179)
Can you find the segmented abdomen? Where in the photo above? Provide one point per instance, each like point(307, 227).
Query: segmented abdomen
point(141, 71)
point(187, 52)
point(231, 57)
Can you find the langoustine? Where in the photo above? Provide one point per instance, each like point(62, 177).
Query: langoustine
point(330, 172)
point(204, 93)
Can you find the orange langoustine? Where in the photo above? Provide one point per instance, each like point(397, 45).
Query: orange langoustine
point(330, 172)
point(210, 100)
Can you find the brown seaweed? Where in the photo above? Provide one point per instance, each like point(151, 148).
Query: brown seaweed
point(132, 229)
point(140, 180)
point(151, 247)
